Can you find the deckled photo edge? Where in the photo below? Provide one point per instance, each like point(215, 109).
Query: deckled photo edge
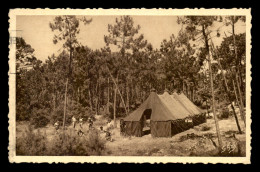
point(92, 159)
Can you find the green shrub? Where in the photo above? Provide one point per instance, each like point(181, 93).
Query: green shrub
point(152, 151)
point(69, 144)
point(66, 143)
point(141, 152)
point(57, 115)
point(95, 145)
point(205, 128)
point(40, 121)
point(22, 112)
point(224, 114)
point(39, 118)
point(32, 143)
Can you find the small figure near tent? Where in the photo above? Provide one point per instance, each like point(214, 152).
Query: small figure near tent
point(108, 136)
point(101, 129)
point(80, 122)
point(80, 132)
point(122, 127)
point(57, 126)
point(108, 121)
point(74, 120)
point(90, 125)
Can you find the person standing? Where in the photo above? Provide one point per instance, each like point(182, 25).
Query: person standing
point(122, 127)
point(80, 122)
point(74, 120)
point(57, 126)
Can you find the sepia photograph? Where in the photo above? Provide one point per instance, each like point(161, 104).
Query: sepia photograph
point(138, 84)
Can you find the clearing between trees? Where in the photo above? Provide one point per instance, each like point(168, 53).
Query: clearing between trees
point(200, 140)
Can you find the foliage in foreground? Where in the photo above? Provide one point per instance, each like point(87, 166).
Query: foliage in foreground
point(63, 144)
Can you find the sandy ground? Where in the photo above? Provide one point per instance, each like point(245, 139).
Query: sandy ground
point(178, 145)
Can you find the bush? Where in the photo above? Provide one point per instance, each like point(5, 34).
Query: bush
point(224, 114)
point(153, 151)
point(40, 121)
point(67, 144)
point(63, 144)
point(95, 145)
point(205, 128)
point(57, 115)
point(76, 109)
point(31, 143)
point(22, 112)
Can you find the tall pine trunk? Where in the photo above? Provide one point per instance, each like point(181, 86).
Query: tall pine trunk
point(115, 92)
point(238, 103)
point(238, 67)
point(65, 102)
point(226, 87)
point(241, 101)
point(90, 99)
point(108, 96)
point(97, 98)
point(212, 86)
point(127, 96)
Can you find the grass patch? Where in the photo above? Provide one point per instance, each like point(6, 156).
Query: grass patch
point(65, 143)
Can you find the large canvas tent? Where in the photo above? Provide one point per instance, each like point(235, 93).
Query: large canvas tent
point(167, 116)
point(191, 107)
point(198, 115)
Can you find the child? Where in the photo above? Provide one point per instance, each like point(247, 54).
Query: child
point(101, 128)
point(57, 126)
point(108, 136)
point(80, 122)
point(74, 120)
point(80, 133)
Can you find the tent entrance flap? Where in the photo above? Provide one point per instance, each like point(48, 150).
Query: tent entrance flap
point(146, 117)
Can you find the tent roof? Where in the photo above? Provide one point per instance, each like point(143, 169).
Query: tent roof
point(174, 105)
point(164, 108)
point(191, 107)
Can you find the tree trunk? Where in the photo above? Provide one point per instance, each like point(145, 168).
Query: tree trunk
point(212, 88)
point(96, 106)
point(238, 126)
point(127, 96)
point(207, 107)
point(241, 100)
point(115, 107)
point(78, 95)
point(238, 72)
point(227, 88)
point(213, 105)
point(54, 102)
point(65, 103)
point(108, 96)
point(90, 99)
point(183, 86)
point(193, 94)
point(115, 82)
point(239, 105)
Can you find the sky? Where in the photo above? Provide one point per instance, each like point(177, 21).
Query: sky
point(36, 31)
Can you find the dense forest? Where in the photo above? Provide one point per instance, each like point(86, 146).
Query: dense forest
point(81, 81)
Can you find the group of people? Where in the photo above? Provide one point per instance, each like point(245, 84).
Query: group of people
point(79, 131)
point(108, 134)
point(74, 123)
